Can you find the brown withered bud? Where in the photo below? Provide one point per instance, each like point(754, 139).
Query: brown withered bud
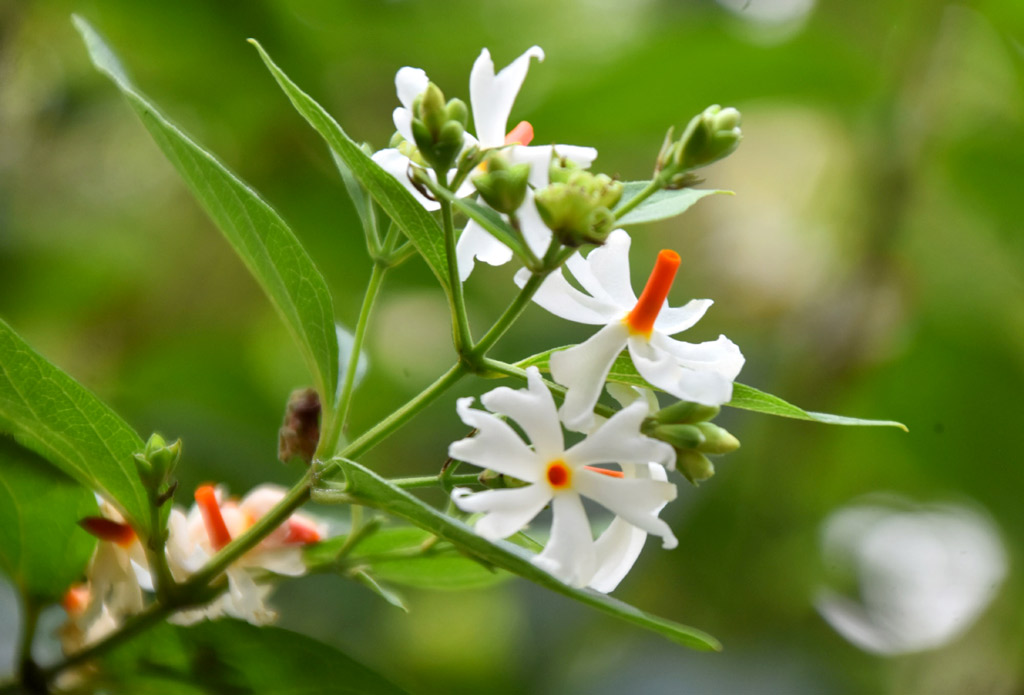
point(300, 432)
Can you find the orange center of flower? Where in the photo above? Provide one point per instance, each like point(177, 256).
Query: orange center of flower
point(641, 319)
point(216, 529)
point(301, 532)
point(606, 471)
point(559, 474)
point(76, 600)
point(522, 134)
point(108, 530)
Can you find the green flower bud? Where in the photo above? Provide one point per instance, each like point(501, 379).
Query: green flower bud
point(457, 111)
point(694, 465)
point(396, 140)
point(157, 461)
point(680, 436)
point(422, 136)
point(432, 109)
point(608, 191)
point(709, 136)
point(716, 439)
point(686, 412)
point(492, 479)
point(503, 187)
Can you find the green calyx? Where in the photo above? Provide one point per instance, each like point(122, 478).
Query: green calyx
point(503, 186)
point(576, 206)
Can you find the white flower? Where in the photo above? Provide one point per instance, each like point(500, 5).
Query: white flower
point(702, 373)
point(923, 575)
point(561, 477)
point(491, 97)
point(212, 523)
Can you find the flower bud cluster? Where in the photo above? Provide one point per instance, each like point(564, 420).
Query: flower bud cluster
point(577, 205)
point(439, 128)
point(687, 427)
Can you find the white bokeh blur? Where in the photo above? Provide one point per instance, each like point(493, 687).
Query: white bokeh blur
point(908, 578)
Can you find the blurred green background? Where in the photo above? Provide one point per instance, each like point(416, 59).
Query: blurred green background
point(871, 264)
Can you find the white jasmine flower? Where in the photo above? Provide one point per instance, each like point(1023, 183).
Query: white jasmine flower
point(923, 575)
point(562, 477)
point(702, 372)
point(212, 523)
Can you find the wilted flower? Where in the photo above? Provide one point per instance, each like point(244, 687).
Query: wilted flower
point(213, 523)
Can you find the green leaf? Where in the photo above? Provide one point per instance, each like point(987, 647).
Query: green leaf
point(364, 578)
point(749, 398)
point(391, 195)
point(745, 397)
point(397, 555)
point(366, 487)
point(437, 568)
point(230, 656)
point(360, 198)
point(52, 414)
point(42, 548)
point(662, 205)
point(258, 234)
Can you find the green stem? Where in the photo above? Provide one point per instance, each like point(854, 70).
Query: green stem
point(460, 322)
point(392, 422)
point(520, 303)
point(650, 189)
point(340, 421)
point(28, 670)
point(432, 480)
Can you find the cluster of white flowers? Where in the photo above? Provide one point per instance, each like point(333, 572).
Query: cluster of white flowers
point(119, 571)
point(636, 487)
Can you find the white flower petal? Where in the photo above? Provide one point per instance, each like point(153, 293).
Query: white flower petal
point(617, 550)
point(402, 118)
point(674, 320)
point(495, 445)
point(535, 232)
point(721, 356)
point(397, 164)
point(245, 599)
point(533, 409)
point(507, 511)
point(609, 265)
point(476, 243)
point(410, 83)
point(619, 441)
point(635, 500)
point(582, 369)
point(565, 301)
point(539, 159)
point(569, 554)
point(492, 95)
point(666, 371)
point(285, 560)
